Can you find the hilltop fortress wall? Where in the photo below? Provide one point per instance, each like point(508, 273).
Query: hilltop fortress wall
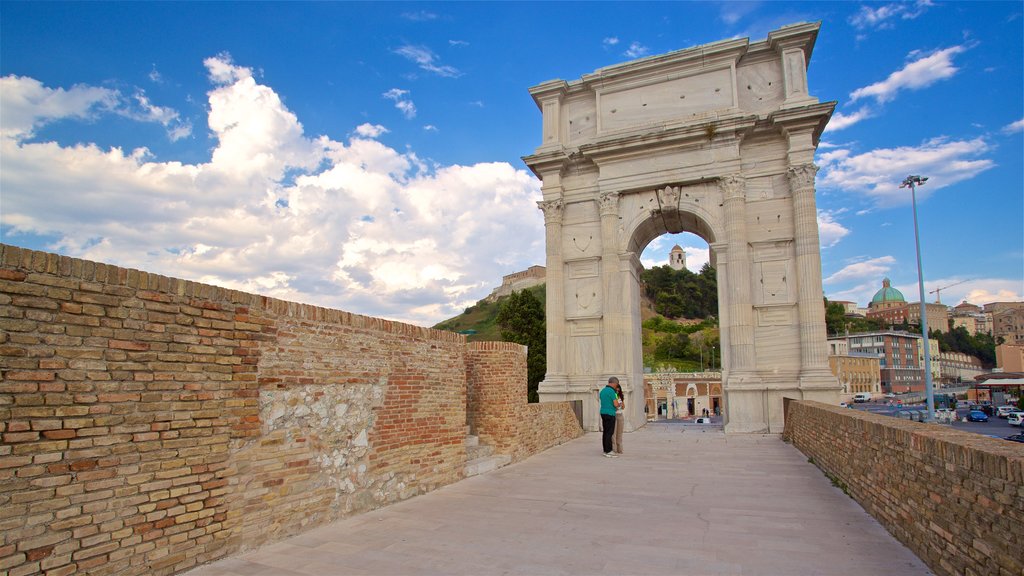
point(150, 424)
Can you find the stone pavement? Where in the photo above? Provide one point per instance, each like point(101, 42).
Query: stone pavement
point(684, 499)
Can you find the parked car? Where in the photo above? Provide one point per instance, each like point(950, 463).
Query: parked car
point(1016, 438)
point(890, 395)
point(1004, 411)
point(977, 416)
point(1015, 419)
point(862, 397)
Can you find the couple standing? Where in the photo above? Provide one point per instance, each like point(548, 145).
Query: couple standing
point(612, 418)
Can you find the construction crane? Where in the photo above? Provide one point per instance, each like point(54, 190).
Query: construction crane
point(938, 291)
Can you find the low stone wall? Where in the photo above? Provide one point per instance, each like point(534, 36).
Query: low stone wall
point(150, 424)
point(955, 498)
point(499, 413)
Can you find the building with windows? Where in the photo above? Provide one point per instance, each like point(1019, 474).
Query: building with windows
point(1008, 322)
point(899, 356)
point(938, 315)
point(957, 367)
point(856, 373)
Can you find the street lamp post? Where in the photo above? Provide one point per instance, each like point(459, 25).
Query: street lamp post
point(913, 182)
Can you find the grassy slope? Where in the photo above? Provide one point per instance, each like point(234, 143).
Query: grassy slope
point(481, 316)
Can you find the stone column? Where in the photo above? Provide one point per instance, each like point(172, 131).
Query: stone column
point(556, 378)
point(741, 316)
point(612, 340)
point(813, 342)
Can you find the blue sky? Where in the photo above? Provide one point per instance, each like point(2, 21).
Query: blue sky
point(366, 156)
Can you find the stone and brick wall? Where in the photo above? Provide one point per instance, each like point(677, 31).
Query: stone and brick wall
point(149, 424)
point(954, 498)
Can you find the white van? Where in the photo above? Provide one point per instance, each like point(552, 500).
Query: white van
point(862, 397)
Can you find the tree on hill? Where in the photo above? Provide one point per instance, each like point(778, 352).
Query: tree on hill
point(522, 321)
point(981, 346)
point(681, 293)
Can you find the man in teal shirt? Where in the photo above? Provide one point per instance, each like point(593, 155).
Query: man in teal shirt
point(609, 402)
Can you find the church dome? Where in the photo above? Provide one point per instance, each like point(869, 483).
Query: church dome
point(887, 295)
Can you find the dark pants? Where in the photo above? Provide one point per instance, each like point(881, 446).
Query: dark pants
point(608, 425)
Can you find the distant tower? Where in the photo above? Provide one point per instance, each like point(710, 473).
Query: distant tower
point(677, 258)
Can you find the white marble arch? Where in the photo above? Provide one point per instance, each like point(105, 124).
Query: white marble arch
point(717, 140)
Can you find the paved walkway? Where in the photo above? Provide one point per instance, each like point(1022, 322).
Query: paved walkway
point(682, 500)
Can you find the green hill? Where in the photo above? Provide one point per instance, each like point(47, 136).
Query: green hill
point(480, 318)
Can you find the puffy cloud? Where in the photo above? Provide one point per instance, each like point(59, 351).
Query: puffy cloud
point(918, 74)
point(881, 17)
point(1014, 127)
point(368, 130)
point(871, 270)
point(28, 105)
point(426, 59)
point(878, 173)
point(636, 50)
point(830, 232)
point(610, 41)
point(840, 121)
point(406, 106)
point(354, 224)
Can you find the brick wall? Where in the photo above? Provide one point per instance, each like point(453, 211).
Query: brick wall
point(149, 424)
point(955, 498)
point(499, 413)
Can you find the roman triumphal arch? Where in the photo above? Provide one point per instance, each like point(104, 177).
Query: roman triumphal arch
point(717, 140)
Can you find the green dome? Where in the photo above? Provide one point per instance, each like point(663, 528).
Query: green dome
point(887, 294)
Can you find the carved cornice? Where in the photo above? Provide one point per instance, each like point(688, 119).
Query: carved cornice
point(609, 203)
point(802, 176)
point(552, 210)
point(732, 186)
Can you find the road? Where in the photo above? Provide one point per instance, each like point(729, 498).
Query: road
point(994, 427)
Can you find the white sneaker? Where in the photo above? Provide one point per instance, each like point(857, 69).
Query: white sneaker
point(610, 455)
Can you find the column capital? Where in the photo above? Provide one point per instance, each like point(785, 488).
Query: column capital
point(732, 186)
point(801, 176)
point(609, 203)
point(552, 210)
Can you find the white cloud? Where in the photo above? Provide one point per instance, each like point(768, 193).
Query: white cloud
point(28, 105)
point(420, 16)
point(430, 128)
point(610, 41)
point(918, 74)
point(1014, 127)
point(354, 225)
point(878, 173)
point(368, 130)
point(830, 232)
point(881, 17)
point(398, 96)
point(146, 111)
point(871, 270)
point(733, 12)
point(636, 50)
point(840, 121)
point(427, 60)
point(458, 43)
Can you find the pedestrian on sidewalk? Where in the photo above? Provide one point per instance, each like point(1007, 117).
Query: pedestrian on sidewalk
point(620, 419)
point(609, 402)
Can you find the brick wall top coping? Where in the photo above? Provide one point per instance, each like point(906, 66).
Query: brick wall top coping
point(35, 261)
point(918, 434)
point(496, 346)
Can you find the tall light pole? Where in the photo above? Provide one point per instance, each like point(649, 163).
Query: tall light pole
point(913, 182)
